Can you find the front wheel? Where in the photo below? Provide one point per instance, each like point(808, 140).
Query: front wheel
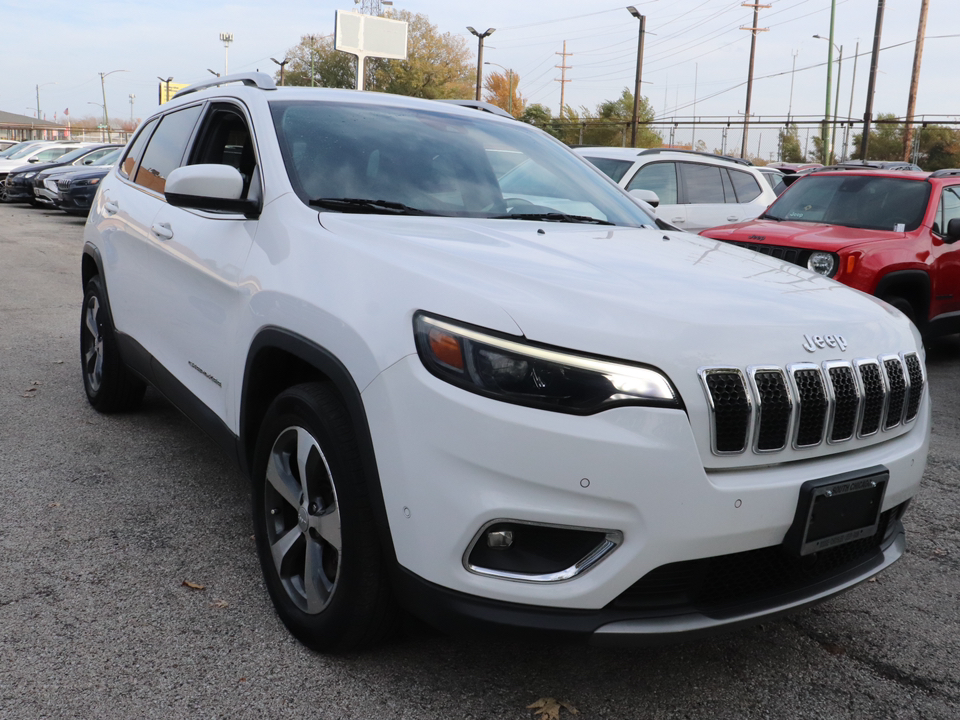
point(903, 305)
point(109, 384)
point(315, 532)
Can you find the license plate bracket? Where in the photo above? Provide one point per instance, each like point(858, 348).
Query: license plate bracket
point(837, 510)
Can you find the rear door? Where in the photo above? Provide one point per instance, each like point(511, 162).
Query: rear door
point(661, 178)
point(705, 189)
point(946, 256)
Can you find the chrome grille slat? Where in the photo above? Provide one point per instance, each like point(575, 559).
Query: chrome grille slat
point(917, 383)
point(805, 403)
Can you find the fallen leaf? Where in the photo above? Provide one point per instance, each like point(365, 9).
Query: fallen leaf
point(53, 505)
point(220, 604)
point(58, 362)
point(36, 382)
point(873, 579)
point(192, 585)
point(833, 648)
point(549, 708)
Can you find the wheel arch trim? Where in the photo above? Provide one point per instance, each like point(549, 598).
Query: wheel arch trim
point(329, 365)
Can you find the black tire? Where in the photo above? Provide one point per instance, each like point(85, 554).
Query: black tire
point(316, 535)
point(903, 305)
point(109, 384)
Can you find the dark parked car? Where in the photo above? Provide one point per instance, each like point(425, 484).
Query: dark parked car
point(45, 187)
point(18, 186)
point(77, 190)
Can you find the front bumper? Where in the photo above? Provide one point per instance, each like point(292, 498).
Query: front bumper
point(451, 461)
point(77, 199)
point(18, 191)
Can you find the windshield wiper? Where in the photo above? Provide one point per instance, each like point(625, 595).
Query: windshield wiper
point(553, 217)
point(362, 205)
point(765, 216)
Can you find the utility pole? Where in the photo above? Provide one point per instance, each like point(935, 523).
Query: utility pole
point(915, 80)
point(693, 132)
point(872, 82)
point(563, 74)
point(836, 107)
point(282, 64)
point(853, 86)
point(480, 37)
point(753, 51)
point(636, 90)
point(132, 98)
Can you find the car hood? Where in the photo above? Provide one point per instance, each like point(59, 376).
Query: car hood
point(73, 169)
point(84, 173)
point(668, 299)
point(812, 236)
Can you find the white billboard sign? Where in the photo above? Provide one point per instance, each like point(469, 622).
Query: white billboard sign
point(369, 36)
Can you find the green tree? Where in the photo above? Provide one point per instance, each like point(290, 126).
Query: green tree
point(886, 139)
point(502, 91)
point(437, 65)
point(939, 147)
point(616, 116)
point(314, 57)
point(790, 150)
point(542, 117)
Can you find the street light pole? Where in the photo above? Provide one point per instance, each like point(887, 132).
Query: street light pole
point(103, 89)
point(635, 121)
point(281, 63)
point(824, 139)
point(226, 39)
point(871, 82)
point(38, 97)
point(132, 98)
point(481, 36)
point(831, 140)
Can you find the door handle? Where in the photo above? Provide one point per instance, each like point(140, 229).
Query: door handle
point(732, 218)
point(678, 220)
point(110, 207)
point(162, 230)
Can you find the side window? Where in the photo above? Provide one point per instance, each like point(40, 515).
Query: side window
point(746, 186)
point(224, 139)
point(728, 194)
point(702, 183)
point(94, 156)
point(165, 149)
point(660, 177)
point(949, 209)
point(135, 148)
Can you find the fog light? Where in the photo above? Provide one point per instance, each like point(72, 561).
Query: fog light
point(499, 539)
point(537, 552)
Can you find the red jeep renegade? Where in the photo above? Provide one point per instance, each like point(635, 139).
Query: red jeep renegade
point(887, 233)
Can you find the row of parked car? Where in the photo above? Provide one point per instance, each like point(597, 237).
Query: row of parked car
point(885, 228)
point(63, 174)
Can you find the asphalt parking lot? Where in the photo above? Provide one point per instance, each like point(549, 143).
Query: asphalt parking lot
point(104, 520)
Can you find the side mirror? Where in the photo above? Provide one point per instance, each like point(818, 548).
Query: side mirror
point(953, 231)
point(648, 196)
point(33, 160)
point(209, 187)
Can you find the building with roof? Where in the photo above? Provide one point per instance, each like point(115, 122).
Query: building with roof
point(24, 127)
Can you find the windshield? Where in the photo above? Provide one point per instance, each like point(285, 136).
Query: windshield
point(611, 167)
point(74, 155)
point(24, 150)
point(374, 158)
point(14, 149)
point(857, 201)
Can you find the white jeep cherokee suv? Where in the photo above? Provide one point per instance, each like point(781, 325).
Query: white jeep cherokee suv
point(523, 409)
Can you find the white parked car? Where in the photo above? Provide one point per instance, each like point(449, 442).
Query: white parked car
point(40, 153)
point(693, 191)
point(521, 409)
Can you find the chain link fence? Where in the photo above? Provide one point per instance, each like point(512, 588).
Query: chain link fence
point(768, 140)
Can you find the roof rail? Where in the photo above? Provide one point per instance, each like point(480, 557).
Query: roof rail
point(865, 166)
point(657, 151)
point(946, 172)
point(250, 79)
point(479, 105)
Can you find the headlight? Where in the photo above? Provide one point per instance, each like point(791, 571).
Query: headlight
point(88, 181)
point(519, 372)
point(28, 175)
point(823, 263)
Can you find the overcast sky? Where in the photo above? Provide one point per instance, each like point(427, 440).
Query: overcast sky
point(695, 49)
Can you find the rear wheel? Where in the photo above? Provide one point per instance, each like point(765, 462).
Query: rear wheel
point(315, 532)
point(903, 305)
point(109, 384)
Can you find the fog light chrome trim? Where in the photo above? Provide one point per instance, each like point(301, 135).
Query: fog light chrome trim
point(612, 540)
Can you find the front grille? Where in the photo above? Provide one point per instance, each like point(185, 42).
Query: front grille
point(717, 584)
point(63, 183)
point(801, 406)
point(791, 255)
